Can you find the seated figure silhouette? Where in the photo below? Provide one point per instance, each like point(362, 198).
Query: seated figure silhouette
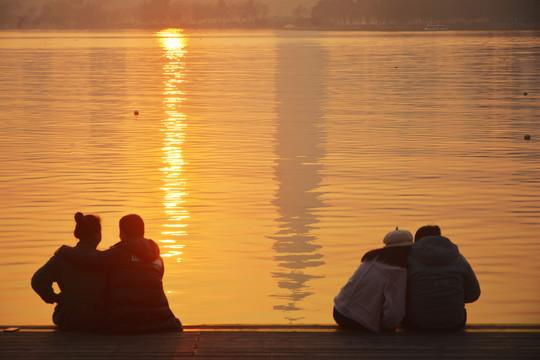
point(374, 297)
point(439, 283)
point(135, 301)
point(79, 305)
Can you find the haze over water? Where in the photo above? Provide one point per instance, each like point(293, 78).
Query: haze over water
point(267, 163)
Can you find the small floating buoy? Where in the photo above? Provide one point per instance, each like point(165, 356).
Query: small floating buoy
point(525, 93)
point(135, 112)
point(527, 137)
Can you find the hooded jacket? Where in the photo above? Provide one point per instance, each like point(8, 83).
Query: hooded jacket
point(79, 306)
point(439, 283)
point(375, 295)
point(135, 300)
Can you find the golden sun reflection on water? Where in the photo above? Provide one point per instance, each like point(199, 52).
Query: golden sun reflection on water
point(174, 124)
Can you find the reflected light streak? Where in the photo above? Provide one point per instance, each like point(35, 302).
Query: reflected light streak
point(174, 184)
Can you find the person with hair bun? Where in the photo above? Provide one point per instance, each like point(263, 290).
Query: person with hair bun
point(135, 301)
point(79, 305)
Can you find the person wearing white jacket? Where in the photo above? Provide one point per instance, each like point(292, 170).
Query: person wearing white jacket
point(374, 297)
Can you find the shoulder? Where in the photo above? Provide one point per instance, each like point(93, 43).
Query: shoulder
point(116, 248)
point(59, 254)
point(394, 275)
point(462, 261)
point(381, 272)
point(371, 255)
point(381, 267)
point(54, 266)
point(64, 248)
point(388, 268)
point(64, 251)
point(154, 246)
point(393, 256)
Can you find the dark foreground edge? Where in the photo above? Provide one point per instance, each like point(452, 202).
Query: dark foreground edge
point(274, 342)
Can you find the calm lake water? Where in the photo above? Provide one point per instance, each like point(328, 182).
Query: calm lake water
point(267, 163)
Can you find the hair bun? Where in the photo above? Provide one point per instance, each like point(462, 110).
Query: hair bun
point(79, 217)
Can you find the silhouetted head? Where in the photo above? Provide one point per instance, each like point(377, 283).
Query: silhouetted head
point(428, 230)
point(88, 228)
point(131, 225)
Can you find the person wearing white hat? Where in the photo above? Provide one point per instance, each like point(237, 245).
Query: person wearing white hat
point(374, 297)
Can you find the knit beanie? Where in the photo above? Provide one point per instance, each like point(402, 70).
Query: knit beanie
point(398, 238)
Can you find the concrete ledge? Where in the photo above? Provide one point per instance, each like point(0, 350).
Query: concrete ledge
point(296, 328)
point(274, 342)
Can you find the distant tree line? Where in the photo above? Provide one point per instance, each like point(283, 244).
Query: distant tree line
point(394, 12)
point(90, 14)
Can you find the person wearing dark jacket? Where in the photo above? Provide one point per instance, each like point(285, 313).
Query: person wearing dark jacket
point(79, 305)
point(439, 283)
point(135, 300)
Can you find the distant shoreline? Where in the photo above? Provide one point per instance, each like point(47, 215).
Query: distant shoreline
point(321, 29)
point(292, 27)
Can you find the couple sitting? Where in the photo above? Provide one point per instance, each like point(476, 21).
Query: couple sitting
point(422, 285)
point(118, 290)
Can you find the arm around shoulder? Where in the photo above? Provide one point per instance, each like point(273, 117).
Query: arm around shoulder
point(94, 260)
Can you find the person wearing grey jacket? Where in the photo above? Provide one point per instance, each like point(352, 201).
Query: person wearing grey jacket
point(439, 283)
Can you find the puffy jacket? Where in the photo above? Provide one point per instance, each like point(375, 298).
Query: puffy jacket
point(440, 281)
point(374, 296)
point(80, 302)
point(135, 300)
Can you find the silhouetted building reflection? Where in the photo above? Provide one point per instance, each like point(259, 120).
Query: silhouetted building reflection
point(174, 124)
point(299, 150)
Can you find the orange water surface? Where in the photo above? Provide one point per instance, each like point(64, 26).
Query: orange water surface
point(266, 163)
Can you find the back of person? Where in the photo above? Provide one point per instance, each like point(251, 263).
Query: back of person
point(440, 281)
point(136, 301)
point(374, 297)
point(80, 305)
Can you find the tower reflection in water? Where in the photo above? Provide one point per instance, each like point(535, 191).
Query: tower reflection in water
point(174, 125)
point(299, 150)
